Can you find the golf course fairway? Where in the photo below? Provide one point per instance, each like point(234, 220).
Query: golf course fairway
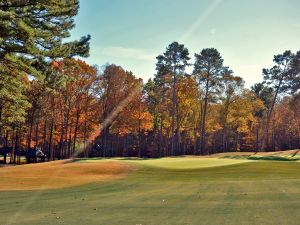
point(174, 191)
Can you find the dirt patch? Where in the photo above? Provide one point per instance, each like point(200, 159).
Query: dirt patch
point(59, 174)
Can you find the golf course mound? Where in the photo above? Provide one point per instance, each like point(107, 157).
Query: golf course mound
point(176, 163)
point(181, 163)
point(60, 174)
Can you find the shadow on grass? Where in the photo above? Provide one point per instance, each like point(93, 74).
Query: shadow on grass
point(276, 158)
point(256, 157)
point(112, 158)
point(238, 157)
point(235, 157)
point(295, 153)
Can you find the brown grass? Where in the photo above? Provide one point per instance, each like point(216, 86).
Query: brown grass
point(60, 174)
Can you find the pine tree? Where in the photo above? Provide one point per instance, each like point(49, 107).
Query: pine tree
point(172, 62)
point(280, 77)
point(265, 94)
point(33, 31)
point(207, 69)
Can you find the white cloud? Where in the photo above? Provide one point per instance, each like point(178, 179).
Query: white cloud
point(129, 53)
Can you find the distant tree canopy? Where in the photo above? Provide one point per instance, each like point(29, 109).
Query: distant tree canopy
point(68, 108)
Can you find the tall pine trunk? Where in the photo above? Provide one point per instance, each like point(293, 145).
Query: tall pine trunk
point(37, 134)
point(51, 150)
point(202, 138)
point(45, 136)
point(76, 130)
point(266, 128)
point(173, 115)
point(30, 130)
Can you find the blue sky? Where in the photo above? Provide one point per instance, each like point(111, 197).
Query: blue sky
point(131, 33)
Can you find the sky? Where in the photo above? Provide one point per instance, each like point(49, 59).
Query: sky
point(131, 33)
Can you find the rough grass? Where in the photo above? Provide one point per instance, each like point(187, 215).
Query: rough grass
point(59, 174)
point(257, 192)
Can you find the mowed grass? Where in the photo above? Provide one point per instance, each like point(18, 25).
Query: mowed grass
point(175, 191)
point(180, 163)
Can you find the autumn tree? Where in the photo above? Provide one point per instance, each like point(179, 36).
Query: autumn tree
point(242, 119)
point(188, 97)
point(124, 115)
point(77, 103)
point(155, 95)
point(284, 132)
point(232, 87)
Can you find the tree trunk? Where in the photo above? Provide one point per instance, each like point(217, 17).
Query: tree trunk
point(225, 140)
point(69, 143)
point(85, 138)
point(12, 160)
point(273, 133)
point(195, 140)
point(76, 130)
point(202, 138)
point(65, 147)
point(17, 147)
point(178, 141)
point(45, 137)
point(51, 152)
point(139, 135)
point(173, 115)
point(30, 130)
point(1, 109)
point(60, 147)
point(266, 128)
point(257, 138)
point(37, 134)
point(6, 145)
point(161, 140)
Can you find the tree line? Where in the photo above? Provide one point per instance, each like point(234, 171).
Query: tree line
point(52, 100)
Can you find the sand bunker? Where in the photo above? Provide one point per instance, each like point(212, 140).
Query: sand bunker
point(59, 174)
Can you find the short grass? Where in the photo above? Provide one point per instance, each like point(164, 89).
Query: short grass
point(180, 163)
point(168, 191)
